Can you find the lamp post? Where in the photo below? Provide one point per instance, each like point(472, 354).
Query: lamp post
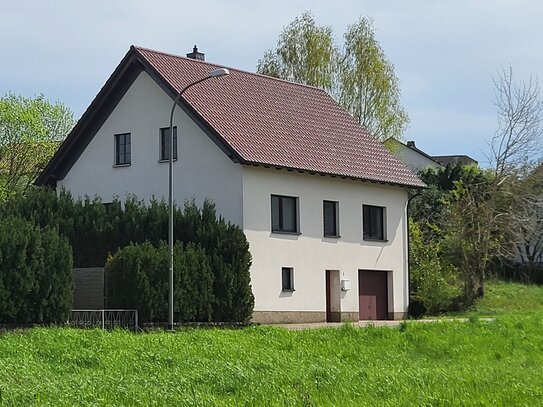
point(216, 73)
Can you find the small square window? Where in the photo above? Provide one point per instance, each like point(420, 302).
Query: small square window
point(165, 143)
point(373, 222)
point(284, 214)
point(330, 211)
point(287, 277)
point(123, 151)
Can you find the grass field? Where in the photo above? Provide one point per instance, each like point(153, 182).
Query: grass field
point(441, 364)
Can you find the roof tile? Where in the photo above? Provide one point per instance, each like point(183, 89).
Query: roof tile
point(279, 123)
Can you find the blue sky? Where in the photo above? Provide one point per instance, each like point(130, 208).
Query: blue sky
point(445, 52)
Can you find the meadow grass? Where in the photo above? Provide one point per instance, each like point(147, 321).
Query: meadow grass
point(475, 363)
point(506, 297)
point(440, 364)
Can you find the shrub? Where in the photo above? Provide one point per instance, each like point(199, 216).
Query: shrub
point(137, 277)
point(36, 282)
point(96, 230)
point(432, 282)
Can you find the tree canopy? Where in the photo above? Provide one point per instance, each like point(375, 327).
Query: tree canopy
point(359, 75)
point(31, 130)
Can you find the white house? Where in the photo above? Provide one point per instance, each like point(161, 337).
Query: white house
point(413, 157)
point(322, 202)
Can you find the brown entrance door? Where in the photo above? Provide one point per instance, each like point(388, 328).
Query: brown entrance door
point(372, 289)
point(333, 312)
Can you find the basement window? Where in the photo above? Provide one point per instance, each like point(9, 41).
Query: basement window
point(287, 278)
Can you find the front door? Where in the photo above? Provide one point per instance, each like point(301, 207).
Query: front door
point(373, 299)
point(333, 301)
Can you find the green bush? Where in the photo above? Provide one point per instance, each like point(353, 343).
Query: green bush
point(36, 282)
point(96, 230)
point(433, 281)
point(137, 277)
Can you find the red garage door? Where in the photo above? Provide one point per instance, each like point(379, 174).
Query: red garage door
point(372, 291)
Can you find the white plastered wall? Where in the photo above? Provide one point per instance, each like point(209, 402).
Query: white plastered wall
point(203, 170)
point(309, 253)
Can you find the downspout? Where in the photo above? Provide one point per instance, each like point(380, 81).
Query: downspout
point(408, 254)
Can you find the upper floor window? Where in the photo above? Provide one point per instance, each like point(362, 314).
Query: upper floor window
point(284, 214)
point(373, 222)
point(165, 143)
point(123, 153)
point(330, 210)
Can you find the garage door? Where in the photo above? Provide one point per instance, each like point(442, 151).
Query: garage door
point(372, 291)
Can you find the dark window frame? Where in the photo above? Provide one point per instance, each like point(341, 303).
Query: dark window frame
point(335, 217)
point(372, 216)
point(281, 227)
point(287, 279)
point(123, 149)
point(163, 146)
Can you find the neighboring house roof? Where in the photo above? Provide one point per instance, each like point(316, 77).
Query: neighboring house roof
point(411, 146)
point(455, 159)
point(253, 118)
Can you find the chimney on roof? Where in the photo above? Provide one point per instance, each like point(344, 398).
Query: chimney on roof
point(199, 56)
point(411, 144)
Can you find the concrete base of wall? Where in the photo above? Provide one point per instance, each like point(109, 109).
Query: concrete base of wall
point(349, 316)
point(300, 317)
point(397, 316)
point(288, 317)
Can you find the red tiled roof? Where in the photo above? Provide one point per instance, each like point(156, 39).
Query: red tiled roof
point(278, 123)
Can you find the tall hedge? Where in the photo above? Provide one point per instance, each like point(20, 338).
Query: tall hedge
point(36, 280)
point(96, 230)
point(137, 277)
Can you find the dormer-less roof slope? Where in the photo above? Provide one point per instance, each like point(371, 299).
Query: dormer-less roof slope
point(260, 120)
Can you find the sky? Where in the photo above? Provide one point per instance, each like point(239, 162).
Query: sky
point(445, 52)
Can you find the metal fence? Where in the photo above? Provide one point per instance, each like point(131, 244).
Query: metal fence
point(104, 318)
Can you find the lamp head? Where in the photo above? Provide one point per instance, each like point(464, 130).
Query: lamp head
point(217, 73)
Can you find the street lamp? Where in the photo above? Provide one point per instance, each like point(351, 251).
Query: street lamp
point(216, 73)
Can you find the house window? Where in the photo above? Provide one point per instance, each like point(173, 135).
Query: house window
point(122, 149)
point(165, 143)
point(330, 211)
point(373, 222)
point(287, 278)
point(284, 214)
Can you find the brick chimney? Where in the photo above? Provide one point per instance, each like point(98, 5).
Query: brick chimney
point(199, 56)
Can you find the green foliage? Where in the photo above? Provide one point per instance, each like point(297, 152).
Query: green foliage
point(137, 277)
point(359, 76)
point(36, 282)
point(95, 230)
point(433, 280)
point(442, 364)
point(31, 129)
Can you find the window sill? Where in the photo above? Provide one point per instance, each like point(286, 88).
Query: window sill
point(121, 165)
point(279, 232)
point(373, 239)
point(166, 160)
point(332, 236)
point(288, 291)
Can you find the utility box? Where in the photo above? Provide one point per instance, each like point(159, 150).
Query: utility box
point(345, 285)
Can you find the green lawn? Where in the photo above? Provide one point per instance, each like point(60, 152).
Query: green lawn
point(502, 297)
point(441, 364)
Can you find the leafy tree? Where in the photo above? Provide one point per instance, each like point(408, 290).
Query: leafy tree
point(31, 130)
point(359, 76)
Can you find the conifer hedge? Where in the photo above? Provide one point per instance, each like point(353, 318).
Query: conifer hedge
point(96, 230)
point(36, 279)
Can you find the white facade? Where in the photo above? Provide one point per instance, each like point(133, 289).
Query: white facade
point(309, 253)
point(413, 159)
point(242, 194)
point(202, 170)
